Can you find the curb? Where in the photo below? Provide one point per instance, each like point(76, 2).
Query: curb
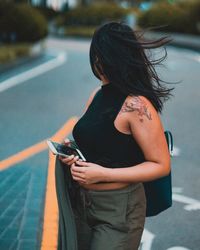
point(191, 42)
point(36, 51)
point(186, 41)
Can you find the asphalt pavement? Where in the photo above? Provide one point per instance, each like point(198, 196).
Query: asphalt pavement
point(40, 97)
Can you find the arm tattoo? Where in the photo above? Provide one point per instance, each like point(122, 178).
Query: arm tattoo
point(137, 104)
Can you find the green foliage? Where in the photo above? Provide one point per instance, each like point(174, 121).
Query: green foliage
point(9, 53)
point(92, 15)
point(193, 10)
point(48, 13)
point(80, 31)
point(22, 21)
point(179, 17)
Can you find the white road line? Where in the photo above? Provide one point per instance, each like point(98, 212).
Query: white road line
point(176, 151)
point(146, 240)
point(193, 56)
point(178, 248)
point(197, 58)
point(191, 204)
point(148, 237)
point(31, 73)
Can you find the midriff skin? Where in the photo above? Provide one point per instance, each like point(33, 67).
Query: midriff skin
point(105, 186)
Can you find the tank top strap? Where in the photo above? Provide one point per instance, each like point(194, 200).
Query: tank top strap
point(112, 100)
point(112, 111)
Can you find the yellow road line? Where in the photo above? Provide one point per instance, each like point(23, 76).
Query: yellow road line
point(65, 129)
point(50, 225)
point(37, 148)
point(26, 153)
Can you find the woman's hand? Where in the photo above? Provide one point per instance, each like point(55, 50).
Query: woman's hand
point(88, 172)
point(72, 158)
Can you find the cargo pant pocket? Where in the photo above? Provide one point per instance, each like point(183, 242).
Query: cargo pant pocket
point(107, 208)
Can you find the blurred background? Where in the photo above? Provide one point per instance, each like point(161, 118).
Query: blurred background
point(45, 81)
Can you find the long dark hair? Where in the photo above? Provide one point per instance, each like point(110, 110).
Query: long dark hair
point(118, 53)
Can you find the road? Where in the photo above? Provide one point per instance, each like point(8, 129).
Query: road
point(36, 99)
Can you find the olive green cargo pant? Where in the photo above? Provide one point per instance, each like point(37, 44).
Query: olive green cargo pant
point(111, 219)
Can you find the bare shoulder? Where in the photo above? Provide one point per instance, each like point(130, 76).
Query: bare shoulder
point(93, 93)
point(139, 109)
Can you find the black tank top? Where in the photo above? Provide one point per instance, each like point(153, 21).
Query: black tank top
point(97, 137)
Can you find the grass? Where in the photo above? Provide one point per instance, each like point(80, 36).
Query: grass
point(9, 53)
point(79, 31)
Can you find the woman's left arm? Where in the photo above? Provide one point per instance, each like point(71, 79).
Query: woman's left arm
point(146, 128)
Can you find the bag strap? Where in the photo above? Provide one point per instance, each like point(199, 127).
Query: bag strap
point(170, 142)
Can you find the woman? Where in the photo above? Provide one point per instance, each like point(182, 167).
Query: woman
point(122, 137)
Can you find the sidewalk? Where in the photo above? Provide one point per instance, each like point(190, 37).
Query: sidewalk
point(22, 193)
point(28, 202)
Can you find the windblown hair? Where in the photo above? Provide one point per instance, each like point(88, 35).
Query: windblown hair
point(118, 53)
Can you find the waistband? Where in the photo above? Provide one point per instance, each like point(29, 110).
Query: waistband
point(127, 189)
point(85, 194)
